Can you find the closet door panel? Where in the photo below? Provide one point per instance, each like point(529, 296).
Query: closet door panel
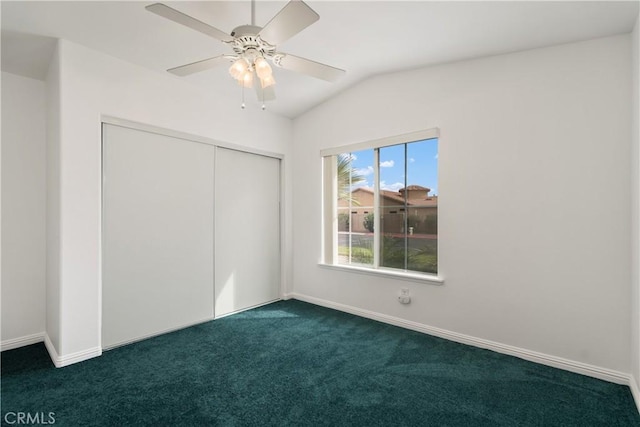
point(158, 210)
point(247, 224)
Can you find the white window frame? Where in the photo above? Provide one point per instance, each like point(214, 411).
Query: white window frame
point(329, 208)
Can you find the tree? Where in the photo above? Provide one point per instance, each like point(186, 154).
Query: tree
point(347, 177)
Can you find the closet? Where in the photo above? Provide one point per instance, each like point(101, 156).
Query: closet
point(190, 231)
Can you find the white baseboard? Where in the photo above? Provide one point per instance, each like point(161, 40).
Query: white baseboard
point(635, 390)
point(69, 359)
point(21, 341)
point(288, 296)
point(53, 354)
point(533, 356)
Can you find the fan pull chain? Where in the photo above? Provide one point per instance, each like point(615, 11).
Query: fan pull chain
point(242, 105)
point(264, 107)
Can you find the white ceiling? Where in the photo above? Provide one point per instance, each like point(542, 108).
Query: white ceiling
point(365, 37)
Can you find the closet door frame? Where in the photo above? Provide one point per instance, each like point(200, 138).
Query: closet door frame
point(111, 120)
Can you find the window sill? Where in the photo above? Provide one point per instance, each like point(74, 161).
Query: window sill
point(402, 275)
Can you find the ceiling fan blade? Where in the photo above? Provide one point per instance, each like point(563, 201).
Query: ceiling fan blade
point(293, 18)
point(186, 20)
point(196, 67)
point(266, 94)
point(309, 67)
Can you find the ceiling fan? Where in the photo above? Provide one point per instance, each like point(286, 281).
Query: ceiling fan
point(253, 46)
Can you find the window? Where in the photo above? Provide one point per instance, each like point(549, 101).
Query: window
point(381, 204)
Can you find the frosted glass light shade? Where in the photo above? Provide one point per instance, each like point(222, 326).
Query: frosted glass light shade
point(246, 79)
point(238, 68)
point(263, 69)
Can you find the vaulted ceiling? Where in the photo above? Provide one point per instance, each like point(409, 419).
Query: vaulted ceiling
point(365, 38)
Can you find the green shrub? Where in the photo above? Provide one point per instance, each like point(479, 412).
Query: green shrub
point(425, 259)
point(431, 224)
point(343, 221)
point(358, 254)
point(362, 255)
point(368, 222)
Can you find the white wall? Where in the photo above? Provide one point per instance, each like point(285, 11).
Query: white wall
point(635, 213)
point(23, 209)
point(534, 197)
point(93, 84)
point(53, 203)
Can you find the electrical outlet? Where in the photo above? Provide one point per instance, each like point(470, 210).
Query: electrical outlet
point(404, 297)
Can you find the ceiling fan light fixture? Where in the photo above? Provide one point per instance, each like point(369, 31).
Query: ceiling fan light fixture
point(263, 69)
point(246, 79)
point(239, 68)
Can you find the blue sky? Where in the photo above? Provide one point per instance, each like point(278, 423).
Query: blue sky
point(422, 166)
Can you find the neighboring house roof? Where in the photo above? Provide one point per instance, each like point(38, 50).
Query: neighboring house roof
point(414, 187)
point(398, 197)
point(393, 196)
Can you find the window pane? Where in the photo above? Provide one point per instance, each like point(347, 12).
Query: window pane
point(422, 206)
point(422, 239)
point(355, 204)
point(392, 178)
point(422, 167)
point(344, 220)
point(392, 238)
point(355, 248)
point(393, 219)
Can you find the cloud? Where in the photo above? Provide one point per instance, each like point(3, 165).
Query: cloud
point(387, 164)
point(391, 187)
point(411, 160)
point(364, 171)
point(436, 156)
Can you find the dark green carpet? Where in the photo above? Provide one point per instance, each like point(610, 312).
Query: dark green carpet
point(292, 363)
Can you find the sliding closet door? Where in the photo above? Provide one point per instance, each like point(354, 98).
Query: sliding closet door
point(247, 223)
point(157, 234)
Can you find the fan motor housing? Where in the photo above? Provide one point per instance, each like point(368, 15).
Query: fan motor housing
point(246, 37)
point(245, 30)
